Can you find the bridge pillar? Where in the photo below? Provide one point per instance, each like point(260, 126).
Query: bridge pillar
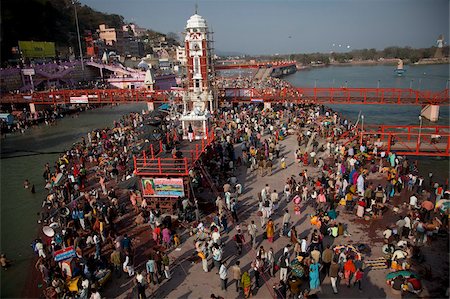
point(32, 108)
point(267, 105)
point(430, 112)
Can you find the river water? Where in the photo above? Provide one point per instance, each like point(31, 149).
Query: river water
point(19, 206)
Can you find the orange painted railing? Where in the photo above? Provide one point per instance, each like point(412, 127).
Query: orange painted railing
point(343, 95)
point(157, 165)
point(406, 140)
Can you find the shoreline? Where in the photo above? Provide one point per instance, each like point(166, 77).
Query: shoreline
point(392, 62)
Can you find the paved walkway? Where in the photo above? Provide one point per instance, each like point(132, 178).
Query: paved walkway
point(189, 280)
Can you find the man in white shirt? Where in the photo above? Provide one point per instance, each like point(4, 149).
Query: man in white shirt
point(387, 233)
point(223, 276)
point(413, 201)
point(274, 198)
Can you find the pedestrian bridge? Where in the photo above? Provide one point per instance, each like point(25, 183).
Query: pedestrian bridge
point(342, 95)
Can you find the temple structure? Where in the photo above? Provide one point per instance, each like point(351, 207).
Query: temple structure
point(199, 98)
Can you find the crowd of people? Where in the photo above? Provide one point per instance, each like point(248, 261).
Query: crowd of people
point(87, 206)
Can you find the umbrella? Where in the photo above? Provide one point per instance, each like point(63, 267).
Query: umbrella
point(404, 273)
point(428, 205)
point(443, 204)
point(164, 106)
point(48, 231)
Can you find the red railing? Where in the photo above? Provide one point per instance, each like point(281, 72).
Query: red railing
point(155, 164)
point(343, 95)
point(406, 140)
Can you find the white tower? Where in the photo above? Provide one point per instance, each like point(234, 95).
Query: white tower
point(199, 98)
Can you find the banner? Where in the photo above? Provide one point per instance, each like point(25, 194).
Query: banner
point(79, 100)
point(157, 187)
point(65, 254)
point(32, 49)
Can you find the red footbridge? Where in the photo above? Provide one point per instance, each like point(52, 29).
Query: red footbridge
point(342, 95)
point(406, 140)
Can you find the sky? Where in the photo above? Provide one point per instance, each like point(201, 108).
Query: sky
point(295, 26)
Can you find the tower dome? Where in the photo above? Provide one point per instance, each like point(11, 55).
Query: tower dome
point(196, 21)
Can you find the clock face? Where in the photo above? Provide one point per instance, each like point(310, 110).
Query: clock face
point(195, 47)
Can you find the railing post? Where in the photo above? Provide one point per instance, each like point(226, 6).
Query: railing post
point(160, 146)
point(159, 165)
point(135, 164)
point(186, 168)
point(152, 151)
point(389, 143)
point(145, 158)
point(196, 152)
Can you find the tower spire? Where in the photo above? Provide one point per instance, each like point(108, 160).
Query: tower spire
point(196, 7)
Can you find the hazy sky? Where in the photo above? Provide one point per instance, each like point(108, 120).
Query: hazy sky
point(295, 26)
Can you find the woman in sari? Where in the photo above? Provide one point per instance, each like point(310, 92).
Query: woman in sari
point(246, 284)
point(270, 230)
point(314, 281)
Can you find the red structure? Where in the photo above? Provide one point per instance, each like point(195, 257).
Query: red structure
point(343, 95)
point(406, 140)
point(156, 162)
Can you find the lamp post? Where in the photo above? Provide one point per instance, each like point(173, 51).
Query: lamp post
point(362, 129)
point(75, 2)
point(410, 84)
point(378, 84)
point(420, 129)
point(346, 83)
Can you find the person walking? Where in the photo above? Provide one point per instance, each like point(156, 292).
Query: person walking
point(327, 257)
point(314, 279)
point(349, 271)
point(257, 266)
point(152, 273)
point(270, 230)
point(236, 272)
point(333, 273)
point(252, 230)
point(284, 265)
point(246, 283)
point(223, 276)
point(239, 239)
point(286, 222)
point(190, 133)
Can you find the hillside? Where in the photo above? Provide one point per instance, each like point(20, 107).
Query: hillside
point(47, 20)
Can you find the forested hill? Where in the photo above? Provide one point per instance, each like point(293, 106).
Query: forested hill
point(47, 20)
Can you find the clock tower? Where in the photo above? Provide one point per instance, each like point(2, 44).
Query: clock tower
point(199, 99)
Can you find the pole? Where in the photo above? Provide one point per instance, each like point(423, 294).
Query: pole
point(378, 84)
point(32, 83)
point(362, 130)
point(420, 129)
point(74, 2)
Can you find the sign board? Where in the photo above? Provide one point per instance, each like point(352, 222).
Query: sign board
point(65, 254)
point(28, 72)
point(32, 49)
point(159, 187)
point(79, 100)
point(257, 100)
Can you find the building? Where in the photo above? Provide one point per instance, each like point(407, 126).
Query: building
point(181, 55)
point(134, 29)
point(114, 39)
point(199, 98)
